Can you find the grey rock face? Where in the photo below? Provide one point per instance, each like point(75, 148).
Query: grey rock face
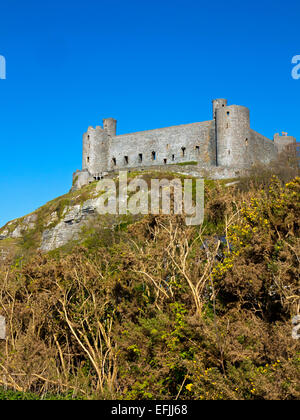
point(17, 233)
point(4, 234)
point(68, 229)
point(28, 223)
point(53, 218)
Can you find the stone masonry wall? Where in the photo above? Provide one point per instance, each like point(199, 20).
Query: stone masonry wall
point(261, 149)
point(170, 145)
point(227, 141)
point(233, 125)
point(283, 142)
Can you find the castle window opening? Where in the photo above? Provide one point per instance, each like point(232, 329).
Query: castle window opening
point(183, 149)
point(153, 155)
point(197, 149)
point(165, 161)
point(140, 157)
point(114, 161)
point(88, 159)
point(246, 142)
point(126, 160)
point(228, 113)
point(173, 158)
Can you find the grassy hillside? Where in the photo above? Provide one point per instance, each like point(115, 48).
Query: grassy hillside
point(153, 309)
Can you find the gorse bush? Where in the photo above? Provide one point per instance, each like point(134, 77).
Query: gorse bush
point(165, 311)
point(264, 264)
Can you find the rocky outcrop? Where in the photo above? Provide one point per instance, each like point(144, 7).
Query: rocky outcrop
point(69, 228)
point(68, 218)
point(64, 229)
point(55, 224)
point(16, 229)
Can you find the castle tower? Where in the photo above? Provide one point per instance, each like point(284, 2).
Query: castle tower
point(95, 150)
point(218, 103)
point(110, 126)
point(285, 142)
point(232, 134)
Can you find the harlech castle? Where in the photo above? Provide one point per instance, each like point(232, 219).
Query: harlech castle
point(222, 147)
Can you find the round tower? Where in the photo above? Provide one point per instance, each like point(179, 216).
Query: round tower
point(233, 136)
point(86, 148)
point(95, 150)
point(110, 126)
point(218, 103)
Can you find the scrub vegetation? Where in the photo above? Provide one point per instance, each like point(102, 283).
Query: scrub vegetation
point(155, 309)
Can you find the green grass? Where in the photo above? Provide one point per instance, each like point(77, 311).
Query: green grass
point(10, 395)
point(187, 163)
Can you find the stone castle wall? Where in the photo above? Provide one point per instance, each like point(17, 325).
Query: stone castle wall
point(283, 142)
point(227, 141)
point(170, 145)
point(261, 149)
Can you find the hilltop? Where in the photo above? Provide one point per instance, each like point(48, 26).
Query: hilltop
point(146, 307)
point(70, 219)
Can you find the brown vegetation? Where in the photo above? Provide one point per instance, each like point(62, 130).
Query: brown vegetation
point(166, 311)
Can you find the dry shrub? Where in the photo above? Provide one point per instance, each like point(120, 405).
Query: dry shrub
point(286, 167)
point(162, 313)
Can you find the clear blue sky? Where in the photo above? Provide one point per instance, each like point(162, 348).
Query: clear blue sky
point(147, 63)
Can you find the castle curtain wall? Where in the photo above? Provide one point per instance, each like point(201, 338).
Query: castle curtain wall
point(170, 145)
point(261, 149)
